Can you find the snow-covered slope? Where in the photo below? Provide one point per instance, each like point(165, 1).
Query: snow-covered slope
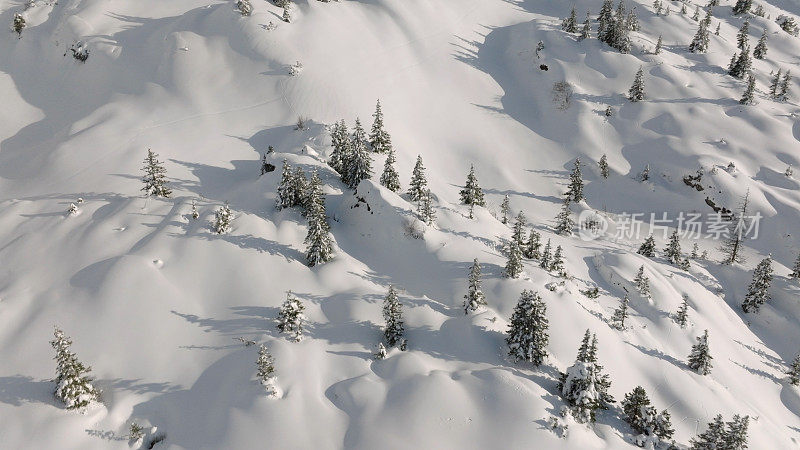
point(154, 300)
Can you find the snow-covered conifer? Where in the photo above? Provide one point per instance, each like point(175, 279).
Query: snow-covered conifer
point(380, 351)
point(758, 290)
point(472, 194)
point(418, 185)
point(513, 267)
point(379, 138)
point(700, 357)
point(18, 24)
point(546, 259)
point(648, 247)
point(699, 43)
point(527, 331)
point(291, 318)
point(742, 6)
point(621, 313)
point(557, 266)
point(794, 371)
point(155, 176)
point(358, 166)
point(645, 420)
point(716, 31)
point(583, 386)
point(393, 315)
point(696, 15)
point(586, 29)
point(389, 178)
point(73, 382)
point(223, 219)
point(532, 245)
point(605, 20)
point(642, 283)
point(564, 223)
point(603, 165)
point(682, 315)
point(340, 140)
point(286, 188)
point(736, 433)
point(244, 6)
point(761, 48)
point(742, 65)
point(632, 21)
point(426, 211)
point(318, 239)
point(783, 90)
point(570, 24)
point(287, 15)
point(576, 182)
point(673, 250)
point(265, 370)
point(796, 269)
point(659, 43)
point(518, 230)
point(636, 92)
point(743, 35)
point(474, 298)
point(505, 209)
point(775, 84)
point(731, 248)
point(712, 438)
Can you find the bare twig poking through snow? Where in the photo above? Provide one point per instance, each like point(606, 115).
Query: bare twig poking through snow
point(246, 342)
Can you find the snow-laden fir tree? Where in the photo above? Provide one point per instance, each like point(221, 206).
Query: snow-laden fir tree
point(18, 24)
point(527, 332)
point(584, 386)
point(742, 6)
point(564, 222)
point(605, 20)
point(575, 191)
point(244, 6)
point(620, 314)
point(518, 230)
point(736, 433)
point(699, 43)
point(795, 273)
point(532, 245)
point(758, 290)
point(513, 267)
point(300, 190)
point(788, 24)
point(682, 316)
point(557, 266)
point(223, 219)
point(636, 92)
point(760, 52)
point(742, 65)
point(380, 351)
point(642, 283)
point(389, 178)
point(155, 176)
point(340, 140)
point(194, 212)
point(789, 172)
point(695, 251)
point(505, 210)
point(632, 21)
point(547, 256)
point(286, 188)
point(358, 166)
point(393, 315)
point(287, 15)
point(265, 370)
point(783, 90)
point(650, 425)
point(659, 43)
point(673, 250)
point(474, 298)
point(586, 29)
point(603, 165)
point(794, 371)
point(775, 84)
point(711, 439)
point(319, 246)
point(73, 382)
point(617, 36)
point(657, 7)
point(379, 138)
point(570, 24)
point(732, 247)
point(291, 317)
point(418, 185)
point(696, 15)
point(472, 194)
point(700, 357)
point(743, 35)
point(426, 211)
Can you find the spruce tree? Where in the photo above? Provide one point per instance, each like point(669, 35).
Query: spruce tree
point(783, 90)
point(620, 314)
point(774, 86)
point(716, 31)
point(570, 24)
point(340, 140)
point(286, 188)
point(73, 382)
point(379, 138)
point(794, 371)
point(265, 370)
point(18, 24)
point(673, 250)
point(194, 212)
point(418, 185)
point(636, 92)
point(657, 7)
point(545, 260)
point(564, 222)
point(731, 248)
point(743, 35)
point(736, 433)
point(682, 316)
point(287, 16)
point(642, 283)
point(586, 29)
point(758, 290)
point(557, 265)
point(648, 247)
point(244, 6)
point(527, 332)
point(699, 43)
point(760, 52)
point(380, 351)
point(318, 240)
point(291, 317)
point(474, 298)
point(658, 47)
point(632, 21)
point(742, 65)
point(389, 178)
point(584, 386)
point(576, 182)
point(518, 230)
point(700, 357)
point(711, 439)
point(393, 315)
point(299, 188)
point(513, 267)
point(472, 194)
point(505, 209)
point(223, 219)
point(426, 208)
point(532, 245)
point(603, 165)
point(742, 6)
point(155, 178)
point(795, 273)
point(358, 166)
point(645, 419)
point(605, 20)
point(617, 36)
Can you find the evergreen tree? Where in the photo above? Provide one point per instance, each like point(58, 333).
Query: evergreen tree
point(699, 43)
point(527, 333)
point(673, 250)
point(73, 382)
point(155, 178)
point(291, 317)
point(505, 209)
point(19, 24)
point(642, 283)
point(648, 247)
point(222, 219)
point(518, 230)
point(636, 92)
point(265, 369)
point(287, 16)
point(389, 178)
point(758, 290)
point(557, 265)
point(299, 188)
point(576, 182)
point(358, 166)
point(657, 7)
point(472, 194)
point(794, 371)
point(700, 357)
point(632, 21)
point(380, 352)
point(742, 65)
point(426, 208)
point(783, 91)
point(742, 6)
point(711, 439)
point(514, 265)
point(736, 433)
point(244, 6)
point(743, 35)
point(564, 222)
point(617, 36)
point(570, 24)
point(584, 387)
point(603, 164)
point(604, 20)
point(586, 29)
point(532, 246)
point(658, 47)
point(318, 239)
point(620, 314)
point(340, 140)
point(760, 52)
point(393, 315)
point(286, 188)
point(418, 185)
point(774, 86)
point(682, 315)
point(716, 32)
point(695, 251)
point(796, 269)
point(696, 15)
point(545, 260)
point(379, 138)
point(645, 419)
point(474, 298)
point(732, 247)
point(194, 212)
